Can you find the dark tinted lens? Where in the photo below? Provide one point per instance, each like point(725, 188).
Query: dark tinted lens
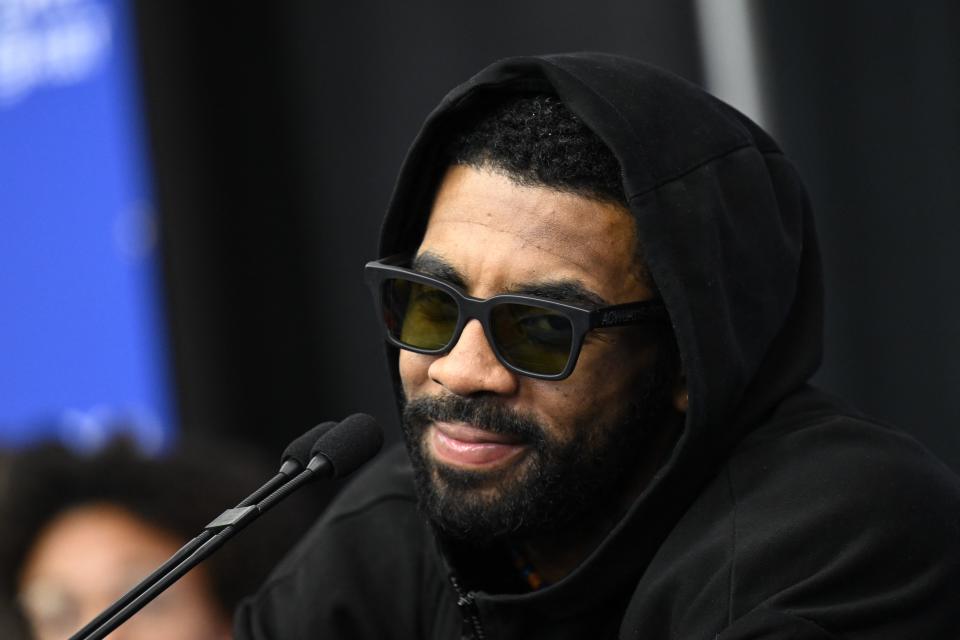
point(418, 315)
point(531, 338)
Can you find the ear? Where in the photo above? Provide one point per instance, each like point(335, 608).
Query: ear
point(681, 399)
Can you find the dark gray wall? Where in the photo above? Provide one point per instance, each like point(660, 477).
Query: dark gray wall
point(866, 100)
point(277, 135)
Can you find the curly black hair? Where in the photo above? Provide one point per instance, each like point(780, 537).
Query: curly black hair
point(537, 140)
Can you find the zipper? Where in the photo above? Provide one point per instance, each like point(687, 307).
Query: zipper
point(469, 612)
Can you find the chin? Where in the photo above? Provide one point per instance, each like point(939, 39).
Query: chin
point(480, 487)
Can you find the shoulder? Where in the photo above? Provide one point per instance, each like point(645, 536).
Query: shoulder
point(817, 467)
point(385, 483)
point(370, 545)
point(822, 519)
point(848, 520)
point(375, 509)
point(822, 461)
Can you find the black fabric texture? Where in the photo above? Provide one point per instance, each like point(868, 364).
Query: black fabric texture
point(780, 513)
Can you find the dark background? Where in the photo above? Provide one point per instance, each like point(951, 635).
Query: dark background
point(866, 98)
point(277, 132)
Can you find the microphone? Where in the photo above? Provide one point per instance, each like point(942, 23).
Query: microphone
point(349, 444)
point(338, 453)
point(328, 449)
point(298, 453)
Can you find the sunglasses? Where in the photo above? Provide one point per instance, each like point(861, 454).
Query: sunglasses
point(529, 335)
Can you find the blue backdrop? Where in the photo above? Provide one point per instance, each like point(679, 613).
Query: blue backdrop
point(81, 341)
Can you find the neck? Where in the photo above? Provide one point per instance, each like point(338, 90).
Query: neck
point(555, 557)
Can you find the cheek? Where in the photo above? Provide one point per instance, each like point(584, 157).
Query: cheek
point(567, 406)
point(599, 389)
point(414, 369)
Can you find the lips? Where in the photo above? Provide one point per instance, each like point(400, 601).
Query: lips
point(461, 445)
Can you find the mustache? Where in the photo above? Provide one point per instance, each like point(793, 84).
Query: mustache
point(485, 413)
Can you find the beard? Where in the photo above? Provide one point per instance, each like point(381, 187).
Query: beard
point(558, 487)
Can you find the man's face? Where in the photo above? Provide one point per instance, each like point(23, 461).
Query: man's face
point(498, 453)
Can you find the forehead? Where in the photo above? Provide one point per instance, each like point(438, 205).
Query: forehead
point(107, 537)
point(499, 233)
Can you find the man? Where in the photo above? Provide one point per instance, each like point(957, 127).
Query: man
point(601, 291)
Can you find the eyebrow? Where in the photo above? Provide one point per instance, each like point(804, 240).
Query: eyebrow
point(568, 291)
point(430, 264)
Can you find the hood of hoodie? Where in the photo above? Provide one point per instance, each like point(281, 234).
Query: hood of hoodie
point(727, 233)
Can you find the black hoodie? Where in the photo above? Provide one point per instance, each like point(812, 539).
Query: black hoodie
point(780, 513)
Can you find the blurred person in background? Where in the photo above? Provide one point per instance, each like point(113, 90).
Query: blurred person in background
point(79, 531)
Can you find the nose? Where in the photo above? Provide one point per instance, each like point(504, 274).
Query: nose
point(471, 367)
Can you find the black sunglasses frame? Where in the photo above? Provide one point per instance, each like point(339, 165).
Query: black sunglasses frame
point(581, 319)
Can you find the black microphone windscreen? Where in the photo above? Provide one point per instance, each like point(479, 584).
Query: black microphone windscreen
point(351, 443)
point(299, 449)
